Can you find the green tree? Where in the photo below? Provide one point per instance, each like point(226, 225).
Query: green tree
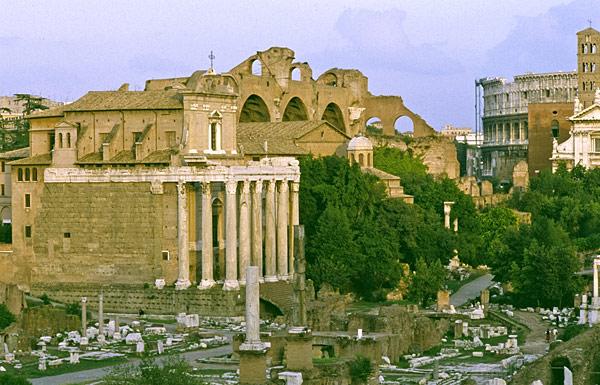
point(332, 254)
point(427, 280)
point(545, 276)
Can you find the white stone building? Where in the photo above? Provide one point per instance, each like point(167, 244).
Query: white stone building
point(583, 146)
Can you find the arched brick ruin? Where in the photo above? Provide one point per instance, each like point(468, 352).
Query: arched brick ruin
point(273, 87)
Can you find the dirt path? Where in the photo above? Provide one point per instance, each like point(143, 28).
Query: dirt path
point(470, 290)
point(535, 341)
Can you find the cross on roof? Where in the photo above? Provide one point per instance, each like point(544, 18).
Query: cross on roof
point(212, 58)
point(590, 22)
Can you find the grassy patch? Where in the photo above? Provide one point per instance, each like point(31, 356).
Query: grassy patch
point(30, 368)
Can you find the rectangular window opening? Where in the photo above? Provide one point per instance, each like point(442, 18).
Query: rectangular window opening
point(166, 255)
point(28, 231)
point(27, 200)
point(67, 235)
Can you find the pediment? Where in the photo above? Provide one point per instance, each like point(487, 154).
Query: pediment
point(65, 124)
point(590, 113)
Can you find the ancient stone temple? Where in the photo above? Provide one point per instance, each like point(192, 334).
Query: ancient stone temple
point(129, 188)
point(180, 187)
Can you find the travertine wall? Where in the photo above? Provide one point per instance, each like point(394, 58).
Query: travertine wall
point(132, 298)
point(104, 233)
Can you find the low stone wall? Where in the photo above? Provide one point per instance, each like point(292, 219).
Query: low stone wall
point(582, 353)
point(133, 298)
point(409, 332)
point(36, 322)
point(12, 297)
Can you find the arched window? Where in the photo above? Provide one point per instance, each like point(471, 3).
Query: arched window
point(256, 67)
point(593, 69)
point(60, 140)
point(585, 48)
point(369, 164)
point(20, 174)
point(214, 131)
point(554, 126)
point(68, 140)
point(34, 174)
point(213, 136)
point(353, 158)
point(27, 175)
point(361, 159)
point(594, 48)
point(295, 74)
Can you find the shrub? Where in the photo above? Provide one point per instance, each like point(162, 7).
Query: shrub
point(45, 299)
point(360, 369)
point(6, 317)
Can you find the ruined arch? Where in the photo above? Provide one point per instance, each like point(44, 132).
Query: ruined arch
point(295, 74)
point(329, 79)
point(403, 124)
point(333, 115)
point(255, 67)
point(255, 110)
point(373, 125)
point(295, 110)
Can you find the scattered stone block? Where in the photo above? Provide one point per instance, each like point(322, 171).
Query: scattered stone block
point(477, 354)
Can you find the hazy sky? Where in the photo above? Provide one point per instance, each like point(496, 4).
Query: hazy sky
point(428, 52)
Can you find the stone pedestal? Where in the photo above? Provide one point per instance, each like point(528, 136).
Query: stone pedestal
point(298, 351)
point(458, 329)
point(592, 315)
point(485, 298)
point(253, 364)
point(443, 300)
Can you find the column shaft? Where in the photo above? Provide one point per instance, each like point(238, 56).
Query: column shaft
point(282, 230)
point(294, 221)
point(270, 245)
point(252, 305)
point(183, 280)
point(595, 267)
point(231, 282)
point(244, 231)
point(207, 238)
point(257, 227)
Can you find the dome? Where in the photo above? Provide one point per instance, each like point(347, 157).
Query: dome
point(360, 143)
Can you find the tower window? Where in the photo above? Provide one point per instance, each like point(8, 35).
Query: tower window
point(27, 175)
point(27, 201)
point(34, 174)
point(28, 231)
point(213, 136)
point(20, 174)
point(555, 128)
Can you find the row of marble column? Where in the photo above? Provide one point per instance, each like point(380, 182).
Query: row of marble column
point(243, 240)
point(506, 133)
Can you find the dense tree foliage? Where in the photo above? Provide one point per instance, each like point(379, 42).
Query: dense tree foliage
point(356, 237)
point(428, 279)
